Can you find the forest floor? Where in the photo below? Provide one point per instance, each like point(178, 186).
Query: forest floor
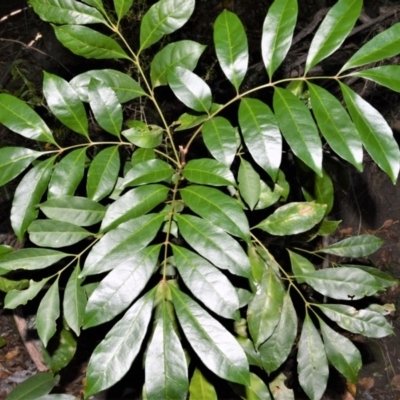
point(366, 203)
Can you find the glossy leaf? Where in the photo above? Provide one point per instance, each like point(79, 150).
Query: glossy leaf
point(384, 279)
point(253, 357)
point(148, 172)
point(312, 362)
point(293, 218)
point(200, 388)
point(142, 155)
point(385, 75)
point(17, 116)
point(83, 211)
point(207, 171)
point(48, 313)
point(165, 364)
point(298, 128)
point(123, 85)
point(164, 17)
point(184, 53)
point(105, 106)
point(122, 7)
point(333, 30)
point(324, 191)
point(13, 161)
point(67, 174)
point(16, 298)
point(341, 353)
point(375, 133)
point(33, 387)
point(231, 46)
point(343, 283)
point(277, 33)
point(55, 234)
point(216, 347)
point(103, 173)
point(300, 266)
point(95, 3)
point(133, 204)
point(121, 286)
point(57, 397)
point(268, 197)
point(327, 227)
point(366, 322)
point(88, 43)
point(257, 390)
point(261, 134)
point(190, 89)
point(263, 313)
point(356, 246)
point(220, 139)
point(28, 195)
point(277, 348)
point(217, 208)
point(142, 135)
point(214, 244)
point(74, 301)
point(207, 283)
point(384, 45)
point(65, 104)
point(31, 259)
point(113, 357)
point(249, 183)
point(66, 12)
point(336, 125)
point(121, 245)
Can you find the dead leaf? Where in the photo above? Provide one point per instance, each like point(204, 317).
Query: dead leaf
point(11, 354)
point(366, 383)
point(352, 390)
point(346, 231)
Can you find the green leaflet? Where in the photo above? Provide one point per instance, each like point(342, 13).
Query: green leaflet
point(88, 43)
point(216, 347)
point(277, 33)
point(113, 357)
point(231, 47)
point(300, 266)
point(184, 53)
point(249, 183)
point(200, 388)
point(324, 191)
point(207, 283)
point(165, 16)
point(16, 298)
point(386, 75)
point(165, 364)
point(65, 104)
point(333, 30)
point(67, 174)
point(13, 161)
point(312, 362)
point(28, 195)
point(149, 171)
point(122, 7)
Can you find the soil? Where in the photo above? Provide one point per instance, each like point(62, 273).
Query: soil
point(366, 202)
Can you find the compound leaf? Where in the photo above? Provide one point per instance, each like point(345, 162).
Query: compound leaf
point(312, 362)
point(80, 210)
point(277, 348)
point(17, 116)
point(184, 53)
point(113, 357)
point(298, 128)
point(216, 347)
point(214, 244)
point(333, 30)
point(190, 89)
point(277, 33)
point(206, 282)
point(375, 133)
point(164, 17)
point(231, 47)
point(67, 174)
point(88, 43)
point(261, 134)
point(336, 125)
point(218, 208)
point(65, 104)
point(293, 218)
point(27, 196)
point(207, 171)
point(103, 173)
point(220, 139)
point(384, 45)
point(357, 246)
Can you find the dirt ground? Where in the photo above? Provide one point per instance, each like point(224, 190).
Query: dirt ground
point(366, 203)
